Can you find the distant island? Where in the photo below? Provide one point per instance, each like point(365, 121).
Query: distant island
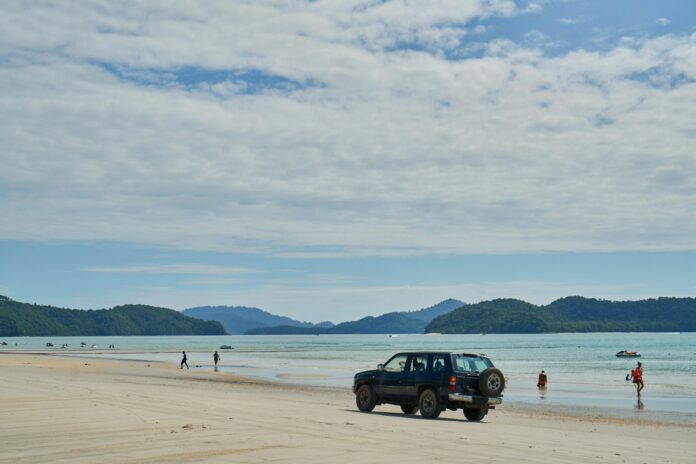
point(507, 316)
point(25, 319)
point(570, 314)
point(391, 323)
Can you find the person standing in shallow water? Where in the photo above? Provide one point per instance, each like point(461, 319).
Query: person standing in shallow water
point(183, 360)
point(216, 358)
point(541, 382)
point(637, 375)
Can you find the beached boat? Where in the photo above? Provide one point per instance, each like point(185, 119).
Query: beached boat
point(627, 354)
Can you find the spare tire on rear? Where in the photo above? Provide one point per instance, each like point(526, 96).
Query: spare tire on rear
point(492, 382)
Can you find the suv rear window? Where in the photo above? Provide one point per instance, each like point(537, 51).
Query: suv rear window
point(471, 363)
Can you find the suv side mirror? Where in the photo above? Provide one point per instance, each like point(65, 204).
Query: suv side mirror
point(380, 367)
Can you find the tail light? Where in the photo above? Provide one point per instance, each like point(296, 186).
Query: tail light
point(453, 383)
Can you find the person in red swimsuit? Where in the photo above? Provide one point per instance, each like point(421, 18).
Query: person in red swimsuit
point(637, 375)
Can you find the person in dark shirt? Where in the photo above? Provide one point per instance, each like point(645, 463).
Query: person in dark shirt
point(541, 382)
point(216, 358)
point(183, 361)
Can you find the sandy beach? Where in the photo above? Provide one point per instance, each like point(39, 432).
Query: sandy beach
point(71, 410)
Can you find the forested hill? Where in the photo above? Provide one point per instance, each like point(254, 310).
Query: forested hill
point(390, 323)
point(24, 319)
point(570, 314)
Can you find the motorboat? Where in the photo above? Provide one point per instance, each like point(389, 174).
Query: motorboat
point(226, 347)
point(627, 354)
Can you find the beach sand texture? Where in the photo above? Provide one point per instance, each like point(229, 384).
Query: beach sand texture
point(69, 410)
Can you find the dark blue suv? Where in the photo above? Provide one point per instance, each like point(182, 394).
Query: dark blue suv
point(431, 382)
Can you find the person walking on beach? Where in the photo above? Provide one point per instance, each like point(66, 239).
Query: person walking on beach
point(216, 358)
point(637, 376)
point(541, 382)
point(183, 361)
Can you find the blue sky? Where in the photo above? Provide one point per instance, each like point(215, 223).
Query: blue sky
point(331, 160)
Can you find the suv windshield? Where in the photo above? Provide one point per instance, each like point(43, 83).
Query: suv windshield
point(466, 363)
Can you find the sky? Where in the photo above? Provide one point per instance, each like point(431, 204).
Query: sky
point(329, 160)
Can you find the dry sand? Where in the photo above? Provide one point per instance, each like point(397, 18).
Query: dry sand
point(69, 410)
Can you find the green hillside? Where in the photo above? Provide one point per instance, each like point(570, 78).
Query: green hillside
point(570, 314)
point(24, 319)
point(397, 323)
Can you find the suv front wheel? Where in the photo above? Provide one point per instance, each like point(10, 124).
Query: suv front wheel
point(365, 398)
point(428, 404)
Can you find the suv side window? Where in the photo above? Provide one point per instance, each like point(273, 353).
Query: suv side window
point(439, 364)
point(396, 364)
point(419, 362)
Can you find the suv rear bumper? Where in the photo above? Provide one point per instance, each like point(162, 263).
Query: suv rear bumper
point(475, 400)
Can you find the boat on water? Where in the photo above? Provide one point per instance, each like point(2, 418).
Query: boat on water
point(226, 347)
point(627, 354)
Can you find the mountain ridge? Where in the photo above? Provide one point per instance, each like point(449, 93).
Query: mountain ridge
point(400, 322)
point(238, 319)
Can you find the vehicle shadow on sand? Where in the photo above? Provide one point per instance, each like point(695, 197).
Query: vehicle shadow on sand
point(400, 415)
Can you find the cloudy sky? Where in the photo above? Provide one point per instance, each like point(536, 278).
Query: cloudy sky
point(335, 159)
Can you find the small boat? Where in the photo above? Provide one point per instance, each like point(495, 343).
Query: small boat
point(226, 347)
point(627, 354)
point(49, 344)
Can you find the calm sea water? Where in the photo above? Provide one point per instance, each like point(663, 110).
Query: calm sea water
point(582, 368)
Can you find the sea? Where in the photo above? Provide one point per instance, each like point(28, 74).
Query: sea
point(584, 374)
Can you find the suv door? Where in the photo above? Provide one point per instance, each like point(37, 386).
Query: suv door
point(417, 375)
point(391, 379)
point(440, 371)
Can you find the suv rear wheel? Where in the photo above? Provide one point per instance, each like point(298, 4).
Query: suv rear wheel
point(409, 409)
point(428, 404)
point(365, 398)
point(475, 414)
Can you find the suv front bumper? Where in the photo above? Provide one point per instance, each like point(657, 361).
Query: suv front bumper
point(475, 400)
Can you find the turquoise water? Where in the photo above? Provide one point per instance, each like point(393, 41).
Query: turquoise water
point(582, 368)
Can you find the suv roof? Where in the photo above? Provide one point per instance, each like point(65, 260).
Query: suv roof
point(443, 352)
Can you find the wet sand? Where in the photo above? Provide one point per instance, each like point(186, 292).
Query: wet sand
point(68, 410)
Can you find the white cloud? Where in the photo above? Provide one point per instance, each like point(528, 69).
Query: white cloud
point(187, 268)
point(663, 21)
point(392, 152)
point(567, 21)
